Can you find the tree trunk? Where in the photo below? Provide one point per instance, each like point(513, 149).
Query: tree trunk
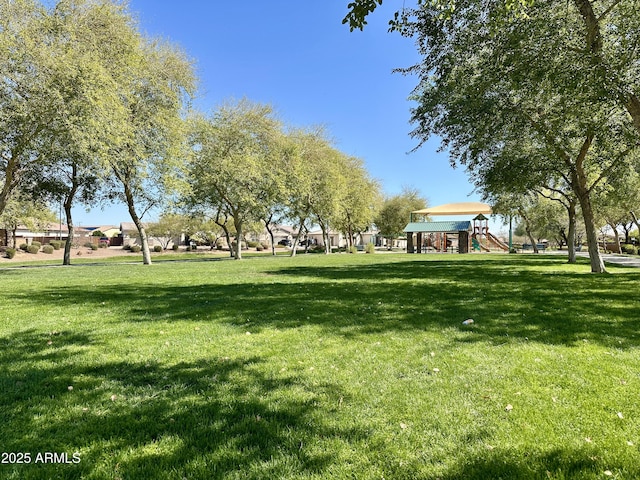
point(594, 45)
point(579, 184)
point(616, 236)
point(296, 240)
point(527, 228)
point(571, 238)
point(325, 237)
point(10, 181)
point(350, 236)
point(238, 225)
point(627, 232)
point(227, 234)
point(68, 203)
point(267, 222)
point(327, 244)
point(146, 253)
point(597, 265)
point(66, 259)
point(635, 220)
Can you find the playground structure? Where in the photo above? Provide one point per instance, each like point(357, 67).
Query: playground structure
point(448, 236)
point(482, 239)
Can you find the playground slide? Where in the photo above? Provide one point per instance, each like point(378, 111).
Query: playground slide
point(497, 242)
point(476, 245)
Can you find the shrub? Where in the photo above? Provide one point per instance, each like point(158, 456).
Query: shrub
point(102, 245)
point(370, 248)
point(10, 252)
point(56, 244)
point(126, 247)
point(47, 249)
point(629, 249)
point(36, 244)
point(33, 249)
point(259, 247)
point(24, 247)
point(353, 249)
point(175, 247)
point(252, 244)
point(136, 248)
point(157, 248)
point(93, 247)
point(265, 245)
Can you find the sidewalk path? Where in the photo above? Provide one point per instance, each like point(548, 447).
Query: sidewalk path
point(617, 259)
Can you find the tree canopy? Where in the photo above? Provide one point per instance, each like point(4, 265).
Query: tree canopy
point(396, 210)
point(526, 99)
point(237, 162)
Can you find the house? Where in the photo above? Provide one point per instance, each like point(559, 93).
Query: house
point(129, 236)
point(107, 230)
point(337, 239)
point(280, 233)
point(48, 232)
point(283, 232)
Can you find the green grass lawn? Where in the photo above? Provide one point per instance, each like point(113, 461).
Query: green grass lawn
point(341, 366)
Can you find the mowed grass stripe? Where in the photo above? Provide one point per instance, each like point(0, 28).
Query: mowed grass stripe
point(342, 366)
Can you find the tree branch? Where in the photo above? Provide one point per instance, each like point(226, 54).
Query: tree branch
point(608, 10)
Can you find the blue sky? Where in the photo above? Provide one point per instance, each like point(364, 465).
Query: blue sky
point(298, 57)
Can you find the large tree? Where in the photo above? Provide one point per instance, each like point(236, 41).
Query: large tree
point(607, 33)
point(570, 70)
point(81, 90)
point(84, 38)
point(307, 192)
point(326, 188)
point(396, 210)
point(237, 163)
point(147, 159)
point(22, 209)
point(492, 84)
point(359, 201)
point(26, 109)
point(168, 228)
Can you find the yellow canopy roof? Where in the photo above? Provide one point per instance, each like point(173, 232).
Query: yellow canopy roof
point(464, 208)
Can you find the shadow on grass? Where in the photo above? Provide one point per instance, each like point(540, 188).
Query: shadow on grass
point(564, 463)
point(224, 418)
point(509, 300)
point(127, 419)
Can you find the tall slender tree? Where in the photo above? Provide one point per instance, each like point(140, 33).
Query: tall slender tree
point(148, 158)
point(237, 163)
